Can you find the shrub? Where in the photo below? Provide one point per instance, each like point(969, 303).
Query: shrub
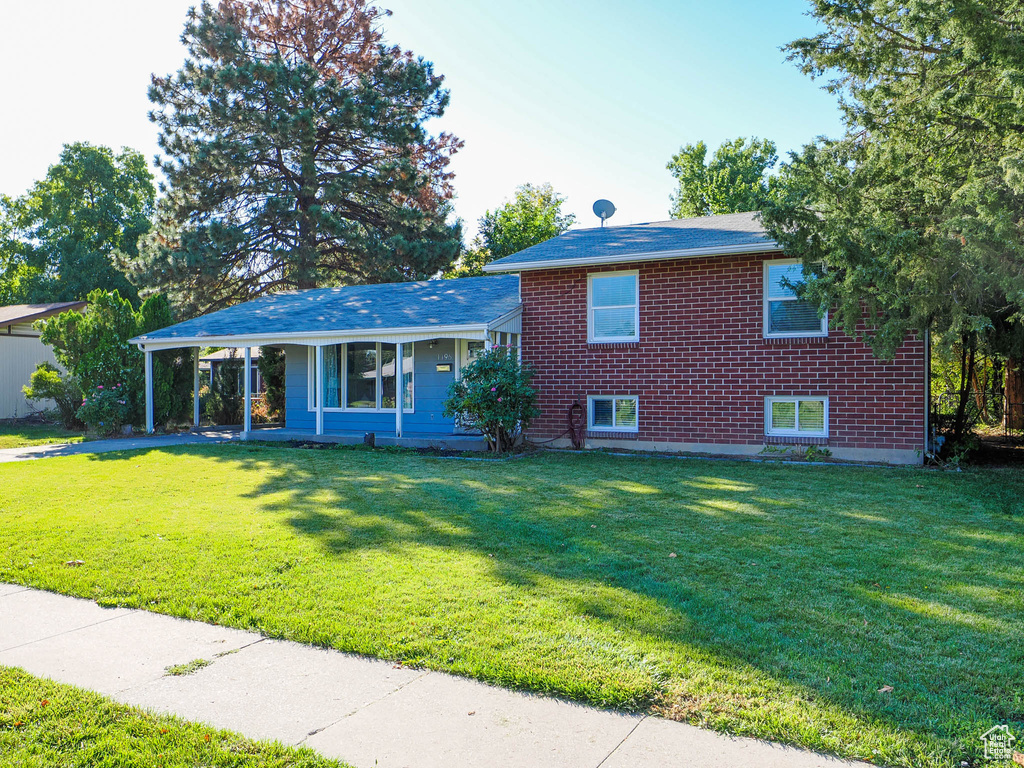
point(93, 347)
point(172, 368)
point(224, 402)
point(260, 410)
point(272, 370)
point(106, 409)
point(48, 383)
point(494, 395)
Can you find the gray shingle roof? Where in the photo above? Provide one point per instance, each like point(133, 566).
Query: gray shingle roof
point(429, 303)
point(23, 313)
point(729, 232)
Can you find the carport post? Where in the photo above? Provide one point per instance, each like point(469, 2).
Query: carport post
point(318, 376)
point(195, 387)
point(399, 388)
point(149, 392)
point(247, 420)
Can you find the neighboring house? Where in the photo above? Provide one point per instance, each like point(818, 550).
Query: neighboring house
point(21, 351)
point(210, 363)
point(681, 335)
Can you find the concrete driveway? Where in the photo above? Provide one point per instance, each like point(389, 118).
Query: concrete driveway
point(117, 444)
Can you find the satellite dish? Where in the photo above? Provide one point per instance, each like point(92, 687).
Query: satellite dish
point(604, 210)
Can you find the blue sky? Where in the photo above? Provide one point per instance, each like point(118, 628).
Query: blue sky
point(593, 97)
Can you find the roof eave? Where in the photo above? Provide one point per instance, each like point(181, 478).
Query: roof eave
point(625, 258)
point(73, 306)
point(264, 339)
point(505, 318)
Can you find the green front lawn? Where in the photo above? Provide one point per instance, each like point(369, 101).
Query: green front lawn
point(43, 723)
point(22, 435)
point(777, 601)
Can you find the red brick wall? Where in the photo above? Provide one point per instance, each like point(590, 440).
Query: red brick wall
point(702, 369)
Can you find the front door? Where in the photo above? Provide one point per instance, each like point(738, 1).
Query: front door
point(468, 351)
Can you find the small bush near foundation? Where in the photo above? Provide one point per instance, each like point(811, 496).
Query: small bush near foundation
point(494, 395)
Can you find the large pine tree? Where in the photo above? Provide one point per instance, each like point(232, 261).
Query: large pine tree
point(914, 218)
point(296, 156)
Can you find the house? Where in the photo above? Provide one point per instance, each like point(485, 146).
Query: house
point(21, 350)
point(682, 335)
point(686, 335)
point(211, 362)
point(350, 340)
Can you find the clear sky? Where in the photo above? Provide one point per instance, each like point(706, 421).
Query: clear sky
point(594, 97)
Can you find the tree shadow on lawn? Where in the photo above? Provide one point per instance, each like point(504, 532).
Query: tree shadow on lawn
point(720, 592)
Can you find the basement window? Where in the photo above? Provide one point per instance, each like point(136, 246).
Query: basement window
point(613, 413)
point(796, 416)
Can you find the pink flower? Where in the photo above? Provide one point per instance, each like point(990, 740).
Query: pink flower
point(100, 387)
point(499, 399)
point(494, 389)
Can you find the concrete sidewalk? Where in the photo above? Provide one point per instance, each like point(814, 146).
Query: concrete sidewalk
point(116, 444)
point(366, 712)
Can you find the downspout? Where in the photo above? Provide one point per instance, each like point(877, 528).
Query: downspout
point(927, 390)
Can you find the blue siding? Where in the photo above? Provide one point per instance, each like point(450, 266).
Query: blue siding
point(430, 389)
point(296, 413)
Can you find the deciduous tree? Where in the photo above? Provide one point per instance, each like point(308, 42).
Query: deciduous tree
point(734, 180)
point(532, 216)
point(63, 237)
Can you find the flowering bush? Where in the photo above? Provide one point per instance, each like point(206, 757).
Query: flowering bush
point(106, 409)
point(494, 395)
point(48, 383)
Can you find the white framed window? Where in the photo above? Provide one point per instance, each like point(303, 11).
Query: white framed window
point(613, 413)
point(796, 416)
point(613, 306)
point(785, 314)
point(360, 376)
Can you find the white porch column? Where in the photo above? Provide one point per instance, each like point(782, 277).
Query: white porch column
point(247, 416)
point(318, 375)
point(399, 388)
point(149, 392)
point(488, 341)
point(195, 387)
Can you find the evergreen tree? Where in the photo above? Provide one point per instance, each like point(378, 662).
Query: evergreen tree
point(297, 156)
point(271, 364)
point(913, 219)
point(172, 368)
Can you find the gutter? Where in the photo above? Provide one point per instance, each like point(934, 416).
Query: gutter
point(261, 339)
point(623, 258)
